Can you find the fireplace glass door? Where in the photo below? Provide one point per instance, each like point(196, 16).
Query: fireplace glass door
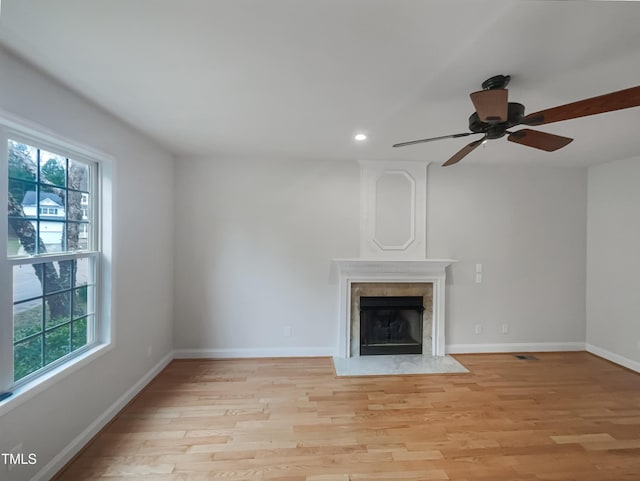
point(391, 325)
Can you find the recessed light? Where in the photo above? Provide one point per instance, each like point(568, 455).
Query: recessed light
point(360, 137)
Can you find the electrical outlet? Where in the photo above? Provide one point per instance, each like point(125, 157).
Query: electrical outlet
point(505, 328)
point(478, 329)
point(478, 268)
point(287, 331)
point(478, 278)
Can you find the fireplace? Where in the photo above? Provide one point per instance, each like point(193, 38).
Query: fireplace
point(358, 278)
point(391, 325)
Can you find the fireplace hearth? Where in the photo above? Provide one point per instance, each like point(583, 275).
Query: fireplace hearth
point(391, 325)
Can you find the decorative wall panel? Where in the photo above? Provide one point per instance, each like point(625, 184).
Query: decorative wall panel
point(393, 209)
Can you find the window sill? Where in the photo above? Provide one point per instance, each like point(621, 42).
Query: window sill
point(31, 389)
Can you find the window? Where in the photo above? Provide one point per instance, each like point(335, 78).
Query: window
point(52, 258)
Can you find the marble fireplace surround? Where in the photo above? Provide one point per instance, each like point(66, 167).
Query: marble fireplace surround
point(387, 289)
point(389, 272)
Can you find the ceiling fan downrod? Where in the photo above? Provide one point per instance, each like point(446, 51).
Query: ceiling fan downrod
point(496, 82)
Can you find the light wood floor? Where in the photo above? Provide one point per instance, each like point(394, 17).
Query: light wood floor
point(566, 416)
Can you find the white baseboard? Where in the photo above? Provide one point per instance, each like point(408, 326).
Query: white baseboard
point(258, 352)
point(613, 357)
point(515, 347)
point(64, 456)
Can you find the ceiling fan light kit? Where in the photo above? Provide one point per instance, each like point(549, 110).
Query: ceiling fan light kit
point(495, 115)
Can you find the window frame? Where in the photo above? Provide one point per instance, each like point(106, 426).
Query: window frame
point(99, 229)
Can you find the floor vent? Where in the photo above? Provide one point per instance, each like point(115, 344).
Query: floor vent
point(527, 357)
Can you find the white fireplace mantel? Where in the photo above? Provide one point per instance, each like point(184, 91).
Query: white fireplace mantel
point(387, 270)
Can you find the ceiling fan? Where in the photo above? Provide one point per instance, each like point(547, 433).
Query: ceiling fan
point(495, 115)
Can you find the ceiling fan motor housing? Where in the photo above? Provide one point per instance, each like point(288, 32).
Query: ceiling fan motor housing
point(495, 131)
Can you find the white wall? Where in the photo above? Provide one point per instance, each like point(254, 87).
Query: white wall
point(143, 189)
point(527, 227)
point(256, 239)
point(613, 261)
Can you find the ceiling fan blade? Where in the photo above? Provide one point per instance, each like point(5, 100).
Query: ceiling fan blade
point(453, 136)
point(539, 140)
point(622, 99)
point(491, 105)
point(467, 149)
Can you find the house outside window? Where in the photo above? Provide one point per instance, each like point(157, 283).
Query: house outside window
point(44, 210)
point(52, 258)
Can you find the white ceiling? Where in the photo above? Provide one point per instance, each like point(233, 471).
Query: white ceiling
point(298, 78)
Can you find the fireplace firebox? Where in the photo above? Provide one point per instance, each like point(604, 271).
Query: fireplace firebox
point(391, 325)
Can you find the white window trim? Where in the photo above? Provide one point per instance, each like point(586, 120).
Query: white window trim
point(20, 129)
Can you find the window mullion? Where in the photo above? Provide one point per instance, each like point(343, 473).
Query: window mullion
point(53, 257)
point(65, 200)
point(38, 194)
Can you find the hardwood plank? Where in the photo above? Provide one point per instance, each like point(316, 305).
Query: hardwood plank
point(583, 438)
